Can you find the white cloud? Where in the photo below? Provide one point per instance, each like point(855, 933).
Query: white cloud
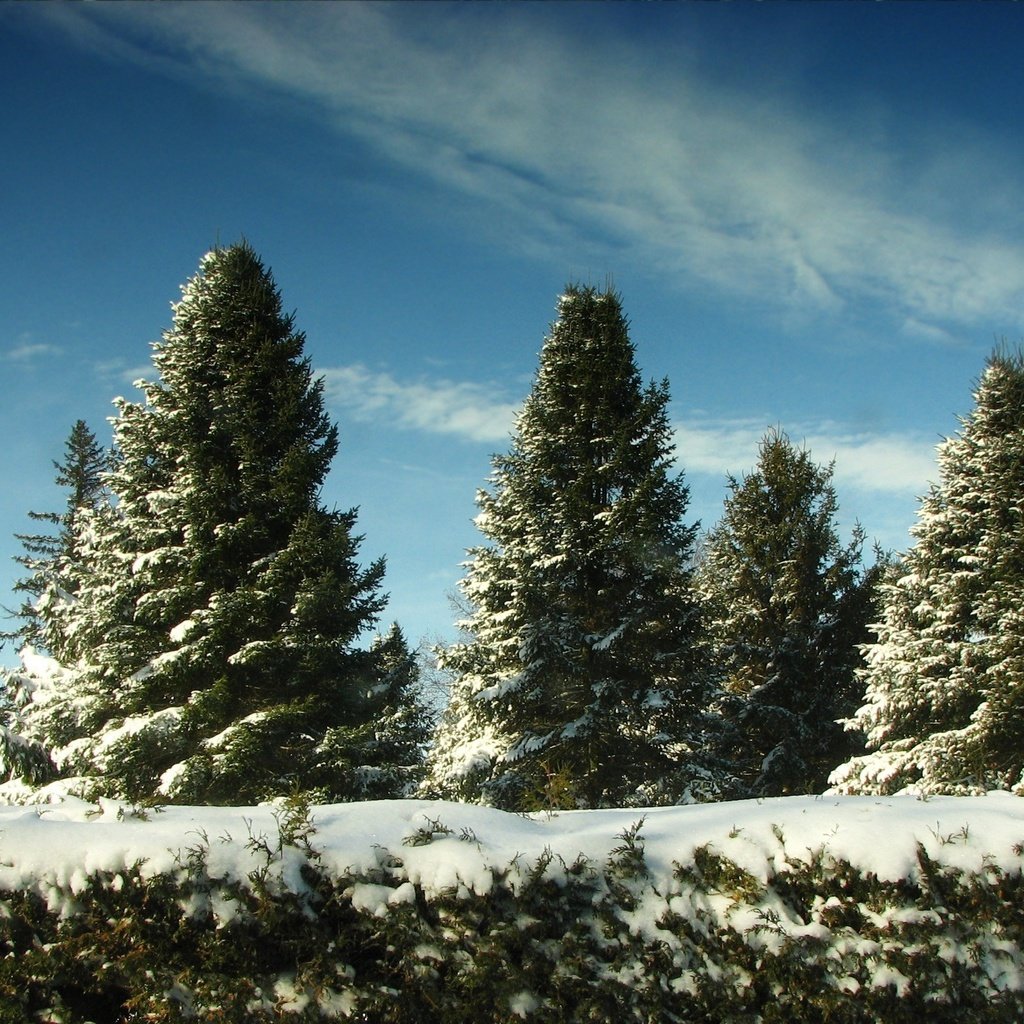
point(892, 463)
point(27, 351)
point(474, 412)
point(117, 371)
point(880, 463)
point(596, 144)
point(885, 463)
point(914, 328)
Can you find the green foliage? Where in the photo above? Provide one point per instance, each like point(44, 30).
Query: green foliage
point(945, 680)
point(391, 753)
point(55, 561)
point(209, 651)
point(789, 607)
point(815, 940)
point(556, 787)
point(52, 557)
point(582, 655)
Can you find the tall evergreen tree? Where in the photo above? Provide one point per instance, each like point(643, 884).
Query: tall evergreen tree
point(944, 711)
point(580, 681)
point(788, 607)
point(214, 655)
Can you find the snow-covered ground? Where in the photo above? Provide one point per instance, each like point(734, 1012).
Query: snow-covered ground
point(54, 848)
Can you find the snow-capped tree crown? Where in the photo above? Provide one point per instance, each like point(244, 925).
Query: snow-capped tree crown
point(945, 680)
point(51, 557)
point(212, 649)
point(582, 626)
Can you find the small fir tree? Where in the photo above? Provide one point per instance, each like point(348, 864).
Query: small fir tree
point(945, 679)
point(34, 698)
point(788, 608)
point(50, 557)
point(581, 680)
point(391, 756)
point(214, 653)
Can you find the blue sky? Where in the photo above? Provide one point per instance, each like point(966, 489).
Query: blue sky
point(812, 213)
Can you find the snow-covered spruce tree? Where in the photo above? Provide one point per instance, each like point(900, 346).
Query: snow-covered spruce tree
point(944, 711)
point(390, 756)
point(33, 694)
point(51, 557)
point(580, 681)
point(214, 655)
point(788, 607)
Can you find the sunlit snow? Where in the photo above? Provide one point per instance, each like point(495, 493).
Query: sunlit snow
point(48, 846)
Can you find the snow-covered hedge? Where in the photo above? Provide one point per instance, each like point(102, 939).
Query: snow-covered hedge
point(835, 909)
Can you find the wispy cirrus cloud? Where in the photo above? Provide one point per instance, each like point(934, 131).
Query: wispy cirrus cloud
point(597, 145)
point(118, 372)
point(874, 462)
point(28, 351)
point(471, 411)
point(878, 476)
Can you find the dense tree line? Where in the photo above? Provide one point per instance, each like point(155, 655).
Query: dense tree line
point(196, 626)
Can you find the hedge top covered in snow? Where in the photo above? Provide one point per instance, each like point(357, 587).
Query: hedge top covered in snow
point(445, 845)
point(760, 912)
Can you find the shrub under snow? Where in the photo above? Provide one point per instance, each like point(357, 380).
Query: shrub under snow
point(828, 909)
